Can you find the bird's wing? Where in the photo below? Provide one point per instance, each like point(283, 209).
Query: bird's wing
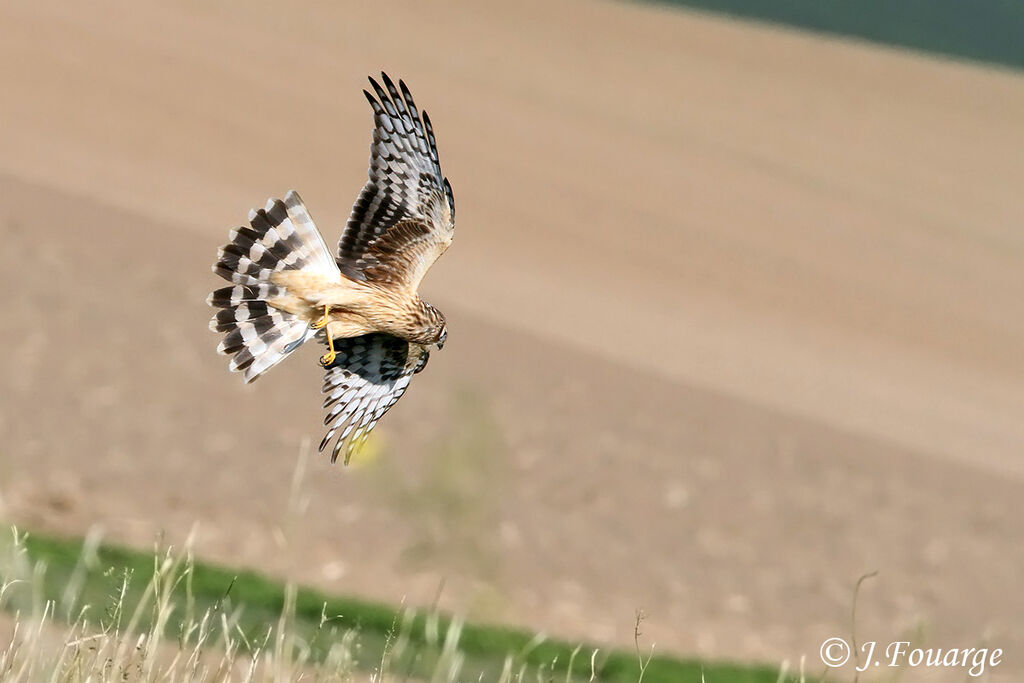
point(404, 218)
point(369, 375)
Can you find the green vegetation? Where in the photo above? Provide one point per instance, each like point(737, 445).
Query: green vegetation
point(983, 30)
point(186, 607)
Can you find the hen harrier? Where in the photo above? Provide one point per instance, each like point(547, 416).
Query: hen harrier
point(363, 303)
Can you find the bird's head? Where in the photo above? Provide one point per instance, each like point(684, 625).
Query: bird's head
point(435, 328)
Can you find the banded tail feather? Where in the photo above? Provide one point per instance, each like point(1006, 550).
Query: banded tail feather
point(259, 335)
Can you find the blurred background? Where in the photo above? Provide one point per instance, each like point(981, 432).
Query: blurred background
point(735, 308)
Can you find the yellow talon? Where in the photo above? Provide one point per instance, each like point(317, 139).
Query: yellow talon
point(328, 357)
point(322, 322)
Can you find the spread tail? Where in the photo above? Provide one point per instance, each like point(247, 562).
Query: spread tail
point(280, 237)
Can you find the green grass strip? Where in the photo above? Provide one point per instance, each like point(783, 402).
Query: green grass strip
point(983, 30)
point(263, 600)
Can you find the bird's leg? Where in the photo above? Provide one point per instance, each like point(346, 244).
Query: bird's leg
point(328, 357)
point(322, 322)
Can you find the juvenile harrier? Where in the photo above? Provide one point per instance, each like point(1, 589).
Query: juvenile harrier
point(363, 303)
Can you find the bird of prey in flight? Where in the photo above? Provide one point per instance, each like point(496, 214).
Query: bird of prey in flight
point(362, 302)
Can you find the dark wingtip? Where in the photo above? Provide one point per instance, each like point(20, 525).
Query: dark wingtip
point(451, 195)
point(334, 452)
point(409, 103)
point(381, 93)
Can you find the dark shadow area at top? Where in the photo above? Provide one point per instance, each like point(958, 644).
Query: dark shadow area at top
point(983, 30)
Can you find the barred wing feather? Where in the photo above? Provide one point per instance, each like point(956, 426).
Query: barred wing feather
point(369, 375)
point(404, 218)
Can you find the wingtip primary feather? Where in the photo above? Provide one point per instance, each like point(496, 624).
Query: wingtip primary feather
point(405, 91)
point(373, 102)
point(337, 450)
point(376, 87)
point(393, 92)
point(382, 95)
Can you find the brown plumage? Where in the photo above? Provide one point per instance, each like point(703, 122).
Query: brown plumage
point(364, 302)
